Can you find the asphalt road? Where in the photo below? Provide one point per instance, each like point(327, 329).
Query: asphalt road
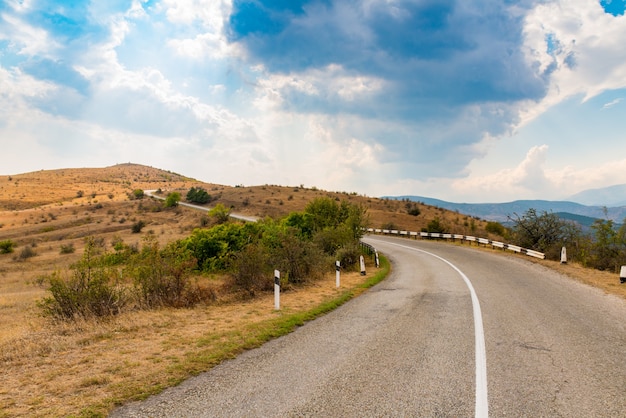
point(408, 347)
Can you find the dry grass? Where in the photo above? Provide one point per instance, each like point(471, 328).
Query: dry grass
point(87, 367)
point(607, 281)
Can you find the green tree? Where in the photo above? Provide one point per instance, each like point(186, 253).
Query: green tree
point(198, 195)
point(608, 249)
point(220, 213)
point(172, 200)
point(137, 194)
point(435, 225)
point(545, 232)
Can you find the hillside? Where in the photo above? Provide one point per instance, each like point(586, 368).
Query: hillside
point(46, 196)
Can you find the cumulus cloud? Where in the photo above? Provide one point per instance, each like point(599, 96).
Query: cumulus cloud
point(579, 45)
point(338, 94)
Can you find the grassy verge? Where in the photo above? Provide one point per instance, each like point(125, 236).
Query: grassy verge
point(235, 342)
point(86, 368)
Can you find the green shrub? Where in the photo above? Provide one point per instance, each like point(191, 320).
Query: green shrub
point(349, 256)
point(91, 290)
point(137, 194)
point(253, 270)
point(6, 246)
point(436, 225)
point(198, 195)
point(220, 213)
point(172, 199)
point(495, 228)
point(84, 294)
point(67, 248)
point(163, 277)
point(137, 227)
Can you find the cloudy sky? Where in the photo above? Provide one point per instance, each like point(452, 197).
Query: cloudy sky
point(462, 100)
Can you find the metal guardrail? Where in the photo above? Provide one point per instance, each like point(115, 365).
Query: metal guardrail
point(454, 237)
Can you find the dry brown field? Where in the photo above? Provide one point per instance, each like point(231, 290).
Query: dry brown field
point(84, 368)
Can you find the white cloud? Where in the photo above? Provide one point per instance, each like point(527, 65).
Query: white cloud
point(612, 103)
point(211, 41)
point(27, 39)
point(332, 81)
point(579, 47)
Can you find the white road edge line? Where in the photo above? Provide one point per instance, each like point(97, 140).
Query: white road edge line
point(482, 404)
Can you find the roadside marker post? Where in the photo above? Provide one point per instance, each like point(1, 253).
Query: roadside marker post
point(377, 261)
point(563, 256)
point(338, 273)
point(276, 289)
point(362, 266)
point(622, 275)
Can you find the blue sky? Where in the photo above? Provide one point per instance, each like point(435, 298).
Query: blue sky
point(468, 101)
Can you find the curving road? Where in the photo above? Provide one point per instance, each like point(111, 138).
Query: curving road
point(410, 347)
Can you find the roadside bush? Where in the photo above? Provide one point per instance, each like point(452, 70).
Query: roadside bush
point(91, 290)
point(331, 240)
point(87, 293)
point(390, 226)
point(297, 260)
point(349, 256)
point(163, 277)
point(6, 246)
point(253, 270)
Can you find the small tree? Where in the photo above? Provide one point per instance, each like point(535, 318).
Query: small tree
point(435, 225)
point(137, 194)
point(220, 213)
point(198, 195)
point(545, 232)
point(172, 199)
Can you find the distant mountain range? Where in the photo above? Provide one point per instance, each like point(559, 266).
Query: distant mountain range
point(613, 196)
point(611, 199)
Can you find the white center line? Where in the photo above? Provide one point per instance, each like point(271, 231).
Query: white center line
point(482, 404)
